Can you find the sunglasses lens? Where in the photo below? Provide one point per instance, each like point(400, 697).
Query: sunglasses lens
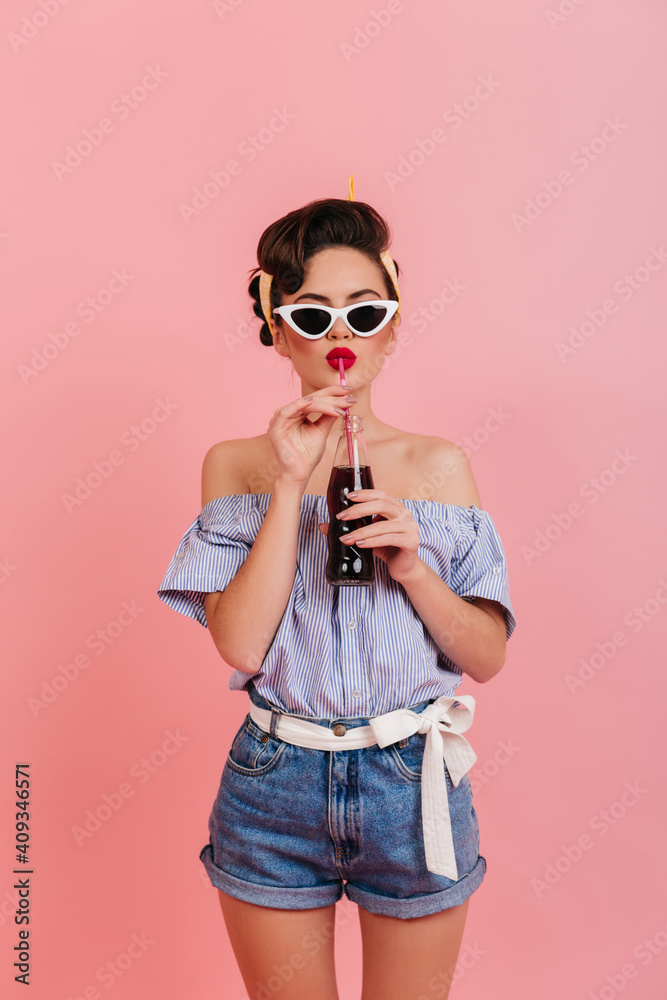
point(367, 318)
point(311, 321)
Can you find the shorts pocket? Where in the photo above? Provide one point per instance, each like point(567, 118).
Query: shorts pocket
point(253, 751)
point(409, 755)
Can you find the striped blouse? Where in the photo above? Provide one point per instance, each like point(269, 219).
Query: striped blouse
point(342, 651)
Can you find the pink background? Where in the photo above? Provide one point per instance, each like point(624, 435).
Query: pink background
point(356, 96)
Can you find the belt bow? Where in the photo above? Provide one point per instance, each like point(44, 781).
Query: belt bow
point(443, 722)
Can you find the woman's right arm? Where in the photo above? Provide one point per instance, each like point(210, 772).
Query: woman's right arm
point(244, 618)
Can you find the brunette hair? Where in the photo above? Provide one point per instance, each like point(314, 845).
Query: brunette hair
point(286, 245)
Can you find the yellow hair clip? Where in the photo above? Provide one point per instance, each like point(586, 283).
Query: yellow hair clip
point(266, 279)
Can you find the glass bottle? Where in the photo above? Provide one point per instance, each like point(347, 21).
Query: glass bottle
point(348, 565)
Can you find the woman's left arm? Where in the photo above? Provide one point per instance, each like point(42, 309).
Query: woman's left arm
point(472, 635)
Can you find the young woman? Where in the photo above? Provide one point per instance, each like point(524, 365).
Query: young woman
point(348, 775)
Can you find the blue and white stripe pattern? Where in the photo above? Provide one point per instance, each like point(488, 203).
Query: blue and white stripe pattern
point(342, 651)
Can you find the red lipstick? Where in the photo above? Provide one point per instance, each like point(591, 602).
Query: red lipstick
point(348, 356)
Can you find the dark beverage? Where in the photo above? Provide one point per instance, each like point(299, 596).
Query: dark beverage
point(347, 565)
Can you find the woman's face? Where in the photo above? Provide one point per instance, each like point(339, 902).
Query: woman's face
point(337, 276)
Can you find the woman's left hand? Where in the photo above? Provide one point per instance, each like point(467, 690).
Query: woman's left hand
point(393, 534)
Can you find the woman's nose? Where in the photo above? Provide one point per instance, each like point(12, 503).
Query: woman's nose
point(339, 329)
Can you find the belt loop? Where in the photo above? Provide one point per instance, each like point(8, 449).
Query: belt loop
point(275, 715)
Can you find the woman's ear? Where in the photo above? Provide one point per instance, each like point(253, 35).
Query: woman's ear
point(279, 341)
point(391, 342)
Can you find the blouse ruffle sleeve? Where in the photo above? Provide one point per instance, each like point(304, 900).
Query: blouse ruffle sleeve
point(210, 554)
point(479, 567)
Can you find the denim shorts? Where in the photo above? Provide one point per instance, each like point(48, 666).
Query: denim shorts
point(295, 828)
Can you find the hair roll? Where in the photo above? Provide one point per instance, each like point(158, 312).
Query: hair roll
point(286, 245)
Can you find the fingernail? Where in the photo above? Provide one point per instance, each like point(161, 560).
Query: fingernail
point(338, 410)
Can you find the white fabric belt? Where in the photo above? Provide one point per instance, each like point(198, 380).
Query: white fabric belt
point(443, 721)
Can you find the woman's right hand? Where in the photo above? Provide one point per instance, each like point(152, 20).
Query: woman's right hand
point(299, 443)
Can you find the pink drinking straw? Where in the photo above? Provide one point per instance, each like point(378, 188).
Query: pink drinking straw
point(348, 426)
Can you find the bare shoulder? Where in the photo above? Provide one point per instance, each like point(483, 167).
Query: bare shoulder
point(446, 470)
point(225, 467)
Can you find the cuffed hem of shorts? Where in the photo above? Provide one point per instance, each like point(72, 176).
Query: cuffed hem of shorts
point(420, 906)
point(297, 898)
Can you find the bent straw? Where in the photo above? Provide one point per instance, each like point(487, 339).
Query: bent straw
point(348, 426)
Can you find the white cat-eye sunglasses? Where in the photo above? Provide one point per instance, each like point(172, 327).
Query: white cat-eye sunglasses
point(363, 318)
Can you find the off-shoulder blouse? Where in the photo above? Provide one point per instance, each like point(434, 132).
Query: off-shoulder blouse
point(342, 651)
